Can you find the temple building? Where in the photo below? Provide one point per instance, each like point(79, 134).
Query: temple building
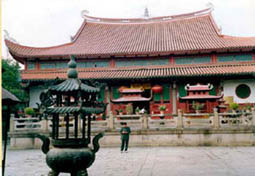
point(147, 63)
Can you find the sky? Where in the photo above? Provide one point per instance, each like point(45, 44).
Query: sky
point(42, 23)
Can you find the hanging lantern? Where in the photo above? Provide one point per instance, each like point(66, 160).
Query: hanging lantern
point(157, 89)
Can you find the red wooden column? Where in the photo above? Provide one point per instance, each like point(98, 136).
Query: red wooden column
point(207, 106)
point(37, 64)
point(187, 106)
point(25, 64)
point(214, 58)
point(173, 94)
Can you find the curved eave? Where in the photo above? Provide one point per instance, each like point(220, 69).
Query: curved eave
point(70, 85)
point(21, 56)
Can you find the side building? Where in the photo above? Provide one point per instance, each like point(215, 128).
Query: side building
point(147, 63)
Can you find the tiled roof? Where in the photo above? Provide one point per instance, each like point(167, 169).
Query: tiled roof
point(148, 72)
point(181, 34)
point(72, 84)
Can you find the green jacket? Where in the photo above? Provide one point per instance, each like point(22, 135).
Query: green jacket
point(125, 131)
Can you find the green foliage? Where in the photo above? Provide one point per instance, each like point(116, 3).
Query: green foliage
point(120, 110)
point(234, 106)
point(162, 108)
point(197, 106)
point(10, 79)
point(29, 111)
point(137, 109)
point(248, 106)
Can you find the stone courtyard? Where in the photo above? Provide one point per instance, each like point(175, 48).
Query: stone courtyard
point(147, 161)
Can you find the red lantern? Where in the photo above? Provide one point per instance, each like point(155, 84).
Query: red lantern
point(157, 89)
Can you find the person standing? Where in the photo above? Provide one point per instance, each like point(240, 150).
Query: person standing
point(124, 131)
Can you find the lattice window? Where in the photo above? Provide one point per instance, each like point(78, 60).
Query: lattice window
point(144, 62)
point(237, 58)
point(93, 64)
point(200, 60)
point(225, 58)
point(61, 65)
point(192, 60)
point(47, 65)
point(247, 57)
point(183, 60)
point(31, 65)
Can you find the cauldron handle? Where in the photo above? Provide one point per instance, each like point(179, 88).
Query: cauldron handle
point(96, 145)
point(46, 143)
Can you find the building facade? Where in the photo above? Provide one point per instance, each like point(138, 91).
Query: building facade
point(147, 63)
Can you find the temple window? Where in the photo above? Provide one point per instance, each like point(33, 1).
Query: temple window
point(31, 65)
point(141, 62)
point(243, 91)
point(192, 60)
point(235, 58)
point(53, 65)
point(93, 64)
point(61, 65)
point(47, 65)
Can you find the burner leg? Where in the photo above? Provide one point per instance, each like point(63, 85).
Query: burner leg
point(53, 173)
point(82, 173)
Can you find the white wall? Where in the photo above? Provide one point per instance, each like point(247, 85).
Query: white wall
point(34, 94)
point(229, 88)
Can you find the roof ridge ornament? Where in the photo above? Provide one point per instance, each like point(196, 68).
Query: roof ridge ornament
point(210, 6)
point(84, 13)
point(146, 13)
point(8, 37)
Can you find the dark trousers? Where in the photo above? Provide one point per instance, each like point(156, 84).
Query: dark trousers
point(124, 144)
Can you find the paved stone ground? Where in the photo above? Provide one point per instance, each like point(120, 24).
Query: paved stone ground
point(149, 161)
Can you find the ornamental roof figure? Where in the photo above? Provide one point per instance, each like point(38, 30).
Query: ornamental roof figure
point(146, 13)
point(189, 33)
